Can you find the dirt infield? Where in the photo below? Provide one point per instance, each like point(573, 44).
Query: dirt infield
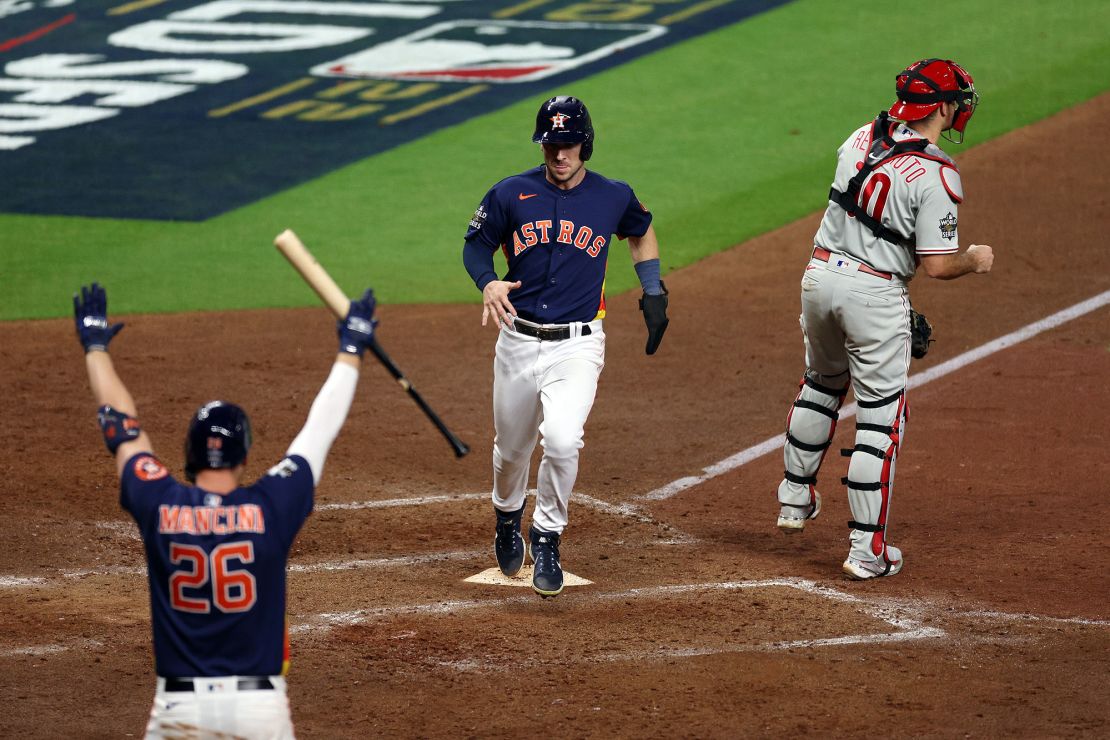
point(702, 620)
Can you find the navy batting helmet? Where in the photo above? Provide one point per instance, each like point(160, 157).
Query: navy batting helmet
point(219, 437)
point(565, 120)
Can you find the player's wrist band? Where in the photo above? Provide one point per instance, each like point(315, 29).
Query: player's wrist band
point(117, 427)
point(648, 272)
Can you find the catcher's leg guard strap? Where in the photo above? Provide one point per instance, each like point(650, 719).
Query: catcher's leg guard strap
point(868, 486)
point(809, 432)
point(824, 389)
point(881, 401)
point(802, 480)
point(862, 448)
point(879, 431)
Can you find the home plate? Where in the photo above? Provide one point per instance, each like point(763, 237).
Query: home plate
point(495, 577)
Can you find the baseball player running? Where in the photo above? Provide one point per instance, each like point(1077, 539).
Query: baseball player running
point(554, 224)
point(216, 550)
point(893, 206)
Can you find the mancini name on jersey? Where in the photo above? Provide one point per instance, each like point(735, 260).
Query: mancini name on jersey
point(174, 519)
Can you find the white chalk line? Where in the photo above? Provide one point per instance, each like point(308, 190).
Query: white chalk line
point(127, 529)
point(32, 651)
point(402, 560)
point(324, 566)
point(775, 443)
point(1007, 616)
point(21, 581)
point(906, 618)
point(631, 511)
point(397, 502)
point(38, 651)
point(326, 621)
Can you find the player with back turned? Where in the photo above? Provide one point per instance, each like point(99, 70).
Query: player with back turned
point(554, 224)
point(216, 549)
point(893, 207)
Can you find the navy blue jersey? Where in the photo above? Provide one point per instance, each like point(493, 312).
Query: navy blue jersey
point(216, 566)
point(556, 242)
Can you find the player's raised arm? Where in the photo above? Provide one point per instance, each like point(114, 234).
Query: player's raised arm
point(329, 410)
point(117, 414)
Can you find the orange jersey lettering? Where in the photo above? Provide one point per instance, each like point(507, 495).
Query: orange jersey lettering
point(218, 520)
point(566, 232)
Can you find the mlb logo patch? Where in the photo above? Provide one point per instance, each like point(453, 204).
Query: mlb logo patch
point(490, 51)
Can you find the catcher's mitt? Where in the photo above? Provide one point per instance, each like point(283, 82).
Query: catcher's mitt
point(921, 332)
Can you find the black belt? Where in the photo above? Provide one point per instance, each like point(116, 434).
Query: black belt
point(550, 333)
point(260, 683)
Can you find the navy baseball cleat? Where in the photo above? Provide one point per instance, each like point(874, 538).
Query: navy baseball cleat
point(508, 545)
point(547, 578)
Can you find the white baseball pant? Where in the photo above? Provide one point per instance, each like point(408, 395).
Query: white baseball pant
point(854, 324)
point(542, 388)
point(218, 708)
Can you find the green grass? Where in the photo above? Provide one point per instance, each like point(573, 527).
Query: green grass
point(724, 137)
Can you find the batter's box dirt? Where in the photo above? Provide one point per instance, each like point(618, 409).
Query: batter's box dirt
point(376, 530)
point(633, 625)
point(347, 585)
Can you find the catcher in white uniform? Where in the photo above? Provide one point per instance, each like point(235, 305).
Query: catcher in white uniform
point(893, 206)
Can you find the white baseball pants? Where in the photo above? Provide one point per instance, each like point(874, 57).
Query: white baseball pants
point(542, 388)
point(855, 324)
point(217, 708)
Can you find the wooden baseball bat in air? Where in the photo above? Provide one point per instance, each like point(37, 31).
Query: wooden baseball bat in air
point(294, 250)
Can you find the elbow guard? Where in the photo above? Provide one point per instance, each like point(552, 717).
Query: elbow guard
point(117, 427)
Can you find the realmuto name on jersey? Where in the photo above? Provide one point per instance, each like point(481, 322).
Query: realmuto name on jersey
point(174, 519)
point(539, 232)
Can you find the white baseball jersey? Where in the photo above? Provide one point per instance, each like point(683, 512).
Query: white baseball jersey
point(915, 194)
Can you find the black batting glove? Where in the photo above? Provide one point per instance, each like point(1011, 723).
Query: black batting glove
point(90, 314)
point(655, 316)
point(356, 332)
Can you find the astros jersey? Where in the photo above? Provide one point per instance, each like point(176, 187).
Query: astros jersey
point(556, 242)
point(216, 566)
point(914, 194)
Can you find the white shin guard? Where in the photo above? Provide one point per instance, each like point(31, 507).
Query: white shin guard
point(809, 432)
point(880, 431)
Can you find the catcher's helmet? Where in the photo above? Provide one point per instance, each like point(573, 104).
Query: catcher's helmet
point(565, 120)
point(924, 85)
point(219, 437)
